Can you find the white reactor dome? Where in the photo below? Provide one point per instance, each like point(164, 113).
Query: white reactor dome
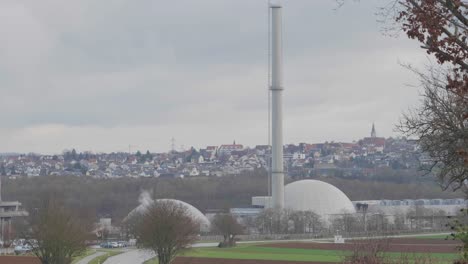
point(194, 212)
point(317, 196)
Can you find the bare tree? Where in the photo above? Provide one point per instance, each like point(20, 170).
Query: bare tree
point(313, 222)
point(459, 228)
point(60, 235)
point(375, 251)
point(274, 221)
point(306, 222)
point(368, 251)
point(441, 123)
point(298, 219)
point(229, 227)
point(399, 222)
point(167, 228)
point(264, 222)
point(345, 223)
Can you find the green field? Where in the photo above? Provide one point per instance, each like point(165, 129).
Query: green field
point(253, 251)
point(433, 237)
point(263, 252)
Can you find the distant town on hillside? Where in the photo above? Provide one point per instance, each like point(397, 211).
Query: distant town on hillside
point(359, 159)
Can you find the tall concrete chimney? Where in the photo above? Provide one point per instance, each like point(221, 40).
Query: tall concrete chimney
point(277, 168)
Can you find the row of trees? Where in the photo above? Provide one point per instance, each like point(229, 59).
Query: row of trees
point(272, 221)
point(287, 221)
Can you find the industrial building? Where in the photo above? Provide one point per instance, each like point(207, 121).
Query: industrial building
point(8, 211)
point(449, 207)
point(311, 195)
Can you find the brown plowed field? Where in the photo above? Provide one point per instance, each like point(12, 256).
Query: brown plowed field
point(406, 245)
point(19, 260)
point(189, 260)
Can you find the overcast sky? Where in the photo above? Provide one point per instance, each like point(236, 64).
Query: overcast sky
point(103, 75)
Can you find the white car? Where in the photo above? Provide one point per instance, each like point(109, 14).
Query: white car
point(22, 249)
point(121, 244)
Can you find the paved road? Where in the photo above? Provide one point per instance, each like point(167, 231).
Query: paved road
point(136, 256)
point(87, 259)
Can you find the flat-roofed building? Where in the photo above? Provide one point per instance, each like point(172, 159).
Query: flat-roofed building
point(8, 210)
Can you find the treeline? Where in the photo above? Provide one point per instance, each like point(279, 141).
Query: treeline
point(117, 197)
point(386, 174)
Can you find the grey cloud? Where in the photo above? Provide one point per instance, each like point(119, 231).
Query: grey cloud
point(172, 67)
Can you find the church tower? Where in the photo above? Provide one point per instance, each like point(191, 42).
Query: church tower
point(373, 134)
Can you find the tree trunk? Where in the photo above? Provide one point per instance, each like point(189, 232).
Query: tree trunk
point(163, 259)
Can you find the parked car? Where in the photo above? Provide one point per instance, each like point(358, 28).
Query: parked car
point(131, 242)
point(122, 244)
point(106, 245)
point(22, 249)
point(18, 242)
point(110, 244)
point(114, 244)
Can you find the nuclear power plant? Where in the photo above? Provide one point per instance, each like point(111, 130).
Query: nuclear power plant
point(306, 195)
point(321, 198)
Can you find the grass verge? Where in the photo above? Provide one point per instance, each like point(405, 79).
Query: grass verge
point(152, 261)
point(83, 255)
point(433, 237)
